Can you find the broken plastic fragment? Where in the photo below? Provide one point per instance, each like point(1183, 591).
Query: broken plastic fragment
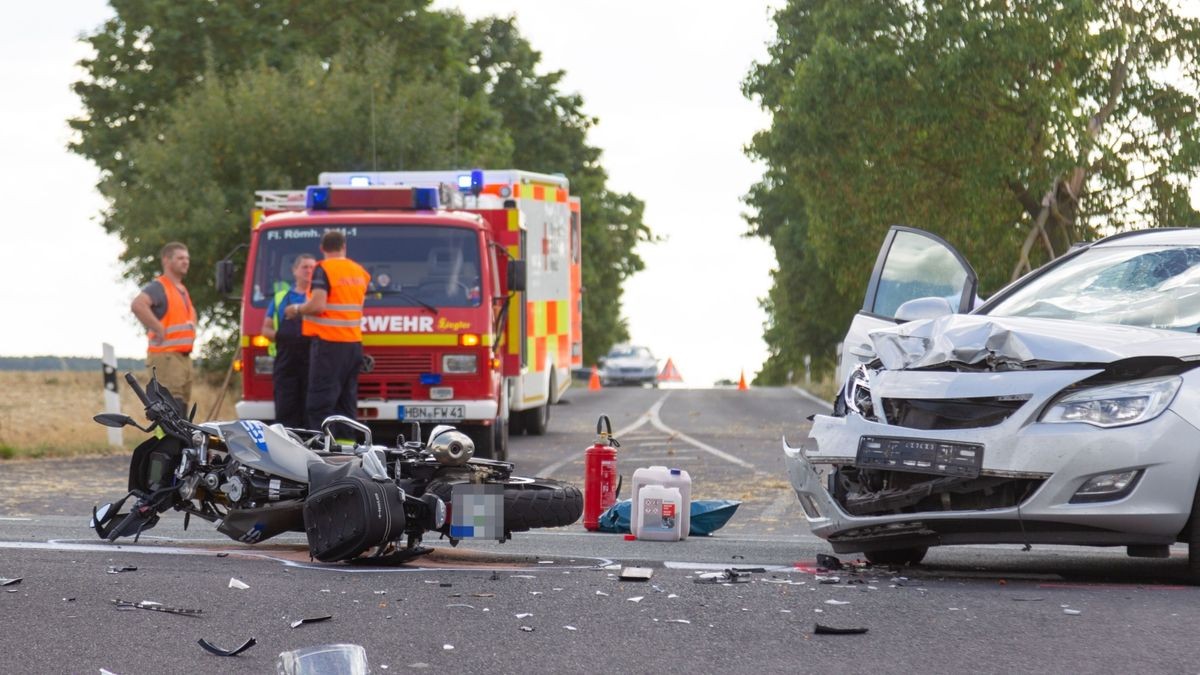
point(113, 569)
point(1072, 612)
point(571, 628)
point(678, 621)
point(828, 562)
point(448, 647)
point(238, 584)
point(10, 582)
point(836, 602)
point(155, 606)
point(830, 630)
point(226, 652)
point(315, 619)
point(638, 598)
point(602, 593)
point(636, 574)
point(459, 604)
point(523, 615)
point(527, 629)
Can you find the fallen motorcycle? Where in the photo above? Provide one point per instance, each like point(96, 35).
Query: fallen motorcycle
point(356, 502)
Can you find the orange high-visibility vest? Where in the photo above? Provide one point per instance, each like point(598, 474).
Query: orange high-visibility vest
point(179, 321)
point(342, 319)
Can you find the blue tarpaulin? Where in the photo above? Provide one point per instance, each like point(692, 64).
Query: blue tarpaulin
point(708, 516)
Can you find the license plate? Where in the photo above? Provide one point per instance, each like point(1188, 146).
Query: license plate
point(920, 455)
point(477, 511)
point(430, 413)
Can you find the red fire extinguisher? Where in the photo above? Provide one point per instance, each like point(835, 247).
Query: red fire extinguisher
point(600, 481)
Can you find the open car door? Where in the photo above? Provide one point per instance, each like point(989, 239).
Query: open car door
point(912, 264)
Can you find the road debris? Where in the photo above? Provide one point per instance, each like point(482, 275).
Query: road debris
point(732, 575)
point(836, 602)
point(213, 649)
point(448, 647)
point(10, 582)
point(602, 593)
point(315, 619)
point(828, 562)
point(820, 629)
point(523, 615)
point(114, 569)
point(636, 574)
point(571, 628)
point(461, 604)
point(678, 621)
point(238, 584)
point(155, 607)
point(637, 598)
point(527, 629)
point(1072, 612)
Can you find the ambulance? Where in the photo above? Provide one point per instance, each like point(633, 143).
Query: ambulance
point(473, 314)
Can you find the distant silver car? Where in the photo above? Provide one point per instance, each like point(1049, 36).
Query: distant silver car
point(628, 364)
point(1064, 410)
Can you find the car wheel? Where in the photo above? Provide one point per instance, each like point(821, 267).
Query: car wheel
point(500, 438)
point(897, 556)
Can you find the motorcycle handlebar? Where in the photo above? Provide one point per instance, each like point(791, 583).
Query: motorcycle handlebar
point(137, 388)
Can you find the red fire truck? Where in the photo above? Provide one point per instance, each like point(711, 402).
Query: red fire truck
point(473, 316)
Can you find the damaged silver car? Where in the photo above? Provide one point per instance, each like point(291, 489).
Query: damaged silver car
point(1064, 410)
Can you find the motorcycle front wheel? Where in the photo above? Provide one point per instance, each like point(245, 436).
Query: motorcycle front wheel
point(529, 502)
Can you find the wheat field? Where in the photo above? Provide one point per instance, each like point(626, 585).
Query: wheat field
point(49, 413)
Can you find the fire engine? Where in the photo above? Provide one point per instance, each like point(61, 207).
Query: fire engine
point(473, 315)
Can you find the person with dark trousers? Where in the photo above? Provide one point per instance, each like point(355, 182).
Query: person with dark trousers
point(289, 346)
point(332, 317)
point(165, 309)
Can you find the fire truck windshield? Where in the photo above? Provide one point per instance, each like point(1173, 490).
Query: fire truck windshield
point(410, 265)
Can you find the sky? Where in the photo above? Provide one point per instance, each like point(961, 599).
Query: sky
point(664, 79)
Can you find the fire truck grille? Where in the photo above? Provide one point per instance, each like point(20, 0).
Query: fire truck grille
point(384, 391)
point(402, 364)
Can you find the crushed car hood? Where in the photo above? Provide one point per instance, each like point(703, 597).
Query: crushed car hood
point(980, 340)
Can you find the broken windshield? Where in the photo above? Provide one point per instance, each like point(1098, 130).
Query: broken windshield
point(1148, 286)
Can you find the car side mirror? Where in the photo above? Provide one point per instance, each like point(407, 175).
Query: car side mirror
point(516, 275)
point(224, 276)
point(923, 308)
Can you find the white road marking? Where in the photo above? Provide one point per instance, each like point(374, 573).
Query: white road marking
point(661, 426)
point(16, 519)
point(821, 402)
point(340, 569)
point(636, 424)
point(660, 458)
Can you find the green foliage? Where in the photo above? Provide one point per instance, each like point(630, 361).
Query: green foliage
point(1012, 130)
point(283, 90)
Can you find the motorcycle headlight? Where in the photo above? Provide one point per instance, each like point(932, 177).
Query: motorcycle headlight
point(1116, 405)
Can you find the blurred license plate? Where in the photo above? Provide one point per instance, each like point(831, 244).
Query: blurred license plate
point(920, 455)
point(477, 511)
point(430, 413)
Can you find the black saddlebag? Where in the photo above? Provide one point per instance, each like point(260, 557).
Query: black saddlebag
point(347, 512)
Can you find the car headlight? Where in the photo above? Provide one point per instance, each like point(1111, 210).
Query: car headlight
point(458, 363)
point(1116, 405)
point(857, 394)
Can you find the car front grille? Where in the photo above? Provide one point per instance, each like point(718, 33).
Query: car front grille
point(951, 413)
point(392, 363)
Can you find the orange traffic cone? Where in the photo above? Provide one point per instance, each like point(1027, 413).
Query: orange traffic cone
point(742, 382)
point(594, 380)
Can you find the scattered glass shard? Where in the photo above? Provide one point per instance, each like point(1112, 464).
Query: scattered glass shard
point(315, 619)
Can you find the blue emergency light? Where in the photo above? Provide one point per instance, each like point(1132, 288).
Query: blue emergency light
point(316, 198)
point(425, 198)
point(431, 379)
point(476, 182)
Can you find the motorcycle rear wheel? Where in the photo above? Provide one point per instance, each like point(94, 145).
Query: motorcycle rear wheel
point(529, 502)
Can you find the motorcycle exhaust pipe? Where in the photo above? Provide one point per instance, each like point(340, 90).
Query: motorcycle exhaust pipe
point(450, 446)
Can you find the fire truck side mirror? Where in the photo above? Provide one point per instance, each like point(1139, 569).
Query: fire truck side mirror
point(224, 277)
point(516, 275)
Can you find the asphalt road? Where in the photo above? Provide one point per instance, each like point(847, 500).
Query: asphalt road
point(466, 609)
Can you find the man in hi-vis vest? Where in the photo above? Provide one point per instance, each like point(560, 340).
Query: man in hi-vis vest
point(289, 347)
point(165, 309)
point(333, 319)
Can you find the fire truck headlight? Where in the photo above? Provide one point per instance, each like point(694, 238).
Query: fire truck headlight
point(264, 365)
point(459, 363)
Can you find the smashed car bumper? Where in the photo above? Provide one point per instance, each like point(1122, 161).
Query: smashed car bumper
point(1057, 458)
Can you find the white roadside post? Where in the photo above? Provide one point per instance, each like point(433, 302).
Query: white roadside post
point(112, 399)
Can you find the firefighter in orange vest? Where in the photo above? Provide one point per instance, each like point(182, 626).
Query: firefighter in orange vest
point(165, 309)
point(333, 319)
